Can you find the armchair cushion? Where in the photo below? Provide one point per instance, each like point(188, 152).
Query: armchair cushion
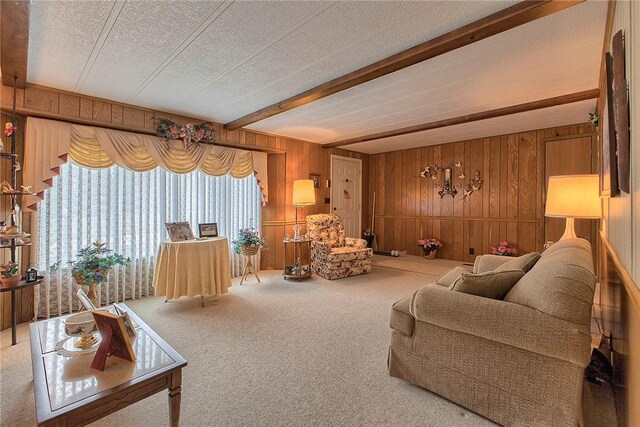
point(356, 243)
point(492, 284)
point(488, 262)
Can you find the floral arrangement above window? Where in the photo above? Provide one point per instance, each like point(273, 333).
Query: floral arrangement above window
point(429, 245)
point(503, 249)
point(190, 134)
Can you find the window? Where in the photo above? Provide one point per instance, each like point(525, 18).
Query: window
point(128, 210)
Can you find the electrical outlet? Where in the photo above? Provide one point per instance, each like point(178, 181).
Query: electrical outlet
point(472, 251)
point(327, 200)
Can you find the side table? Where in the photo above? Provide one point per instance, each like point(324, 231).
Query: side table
point(21, 285)
point(300, 268)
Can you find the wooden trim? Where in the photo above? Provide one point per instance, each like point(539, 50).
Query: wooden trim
point(459, 218)
point(629, 285)
point(26, 112)
point(575, 135)
point(611, 8)
point(506, 19)
point(14, 46)
point(504, 111)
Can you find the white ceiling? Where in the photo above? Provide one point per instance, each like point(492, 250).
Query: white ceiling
point(222, 60)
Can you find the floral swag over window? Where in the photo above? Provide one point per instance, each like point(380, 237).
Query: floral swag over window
point(191, 134)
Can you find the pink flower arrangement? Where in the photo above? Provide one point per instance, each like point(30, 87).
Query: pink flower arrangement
point(503, 249)
point(9, 128)
point(429, 244)
point(189, 133)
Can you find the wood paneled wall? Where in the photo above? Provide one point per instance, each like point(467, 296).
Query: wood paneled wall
point(508, 207)
point(300, 160)
point(289, 158)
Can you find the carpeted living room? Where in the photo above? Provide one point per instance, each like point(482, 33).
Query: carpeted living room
point(319, 213)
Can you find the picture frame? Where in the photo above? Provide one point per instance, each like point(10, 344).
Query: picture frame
point(316, 180)
point(608, 157)
point(179, 231)
point(208, 229)
point(115, 339)
point(621, 112)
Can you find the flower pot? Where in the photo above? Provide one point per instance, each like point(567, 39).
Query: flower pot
point(430, 255)
point(91, 293)
point(8, 282)
point(249, 250)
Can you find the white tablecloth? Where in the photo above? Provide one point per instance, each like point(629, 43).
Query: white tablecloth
point(192, 267)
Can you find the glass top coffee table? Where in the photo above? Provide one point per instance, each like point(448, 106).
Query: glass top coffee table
point(69, 392)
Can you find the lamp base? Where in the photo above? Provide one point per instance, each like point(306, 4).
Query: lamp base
point(569, 230)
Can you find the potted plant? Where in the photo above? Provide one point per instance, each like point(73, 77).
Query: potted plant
point(249, 242)
point(92, 267)
point(503, 249)
point(430, 246)
point(9, 274)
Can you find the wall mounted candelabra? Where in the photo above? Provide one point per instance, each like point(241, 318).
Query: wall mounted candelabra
point(447, 187)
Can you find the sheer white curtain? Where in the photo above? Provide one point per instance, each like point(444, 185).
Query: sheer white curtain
point(128, 210)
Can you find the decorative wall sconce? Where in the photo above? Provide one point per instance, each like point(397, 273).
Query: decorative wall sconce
point(447, 187)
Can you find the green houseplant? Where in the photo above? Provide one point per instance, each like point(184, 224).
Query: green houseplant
point(92, 266)
point(9, 274)
point(249, 242)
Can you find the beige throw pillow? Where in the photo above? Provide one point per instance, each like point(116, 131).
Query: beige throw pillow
point(524, 263)
point(451, 276)
point(492, 284)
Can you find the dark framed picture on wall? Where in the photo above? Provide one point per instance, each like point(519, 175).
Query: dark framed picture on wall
point(209, 229)
point(608, 158)
point(621, 112)
point(316, 180)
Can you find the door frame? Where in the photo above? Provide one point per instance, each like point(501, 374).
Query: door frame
point(359, 185)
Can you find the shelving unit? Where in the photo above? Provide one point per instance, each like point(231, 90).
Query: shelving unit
point(14, 246)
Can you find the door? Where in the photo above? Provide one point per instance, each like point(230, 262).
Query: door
point(346, 192)
point(568, 156)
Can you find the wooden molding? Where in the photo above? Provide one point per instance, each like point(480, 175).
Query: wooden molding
point(459, 218)
point(88, 122)
point(504, 111)
point(611, 8)
point(14, 45)
point(632, 289)
point(506, 19)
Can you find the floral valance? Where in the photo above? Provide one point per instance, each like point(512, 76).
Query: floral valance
point(49, 143)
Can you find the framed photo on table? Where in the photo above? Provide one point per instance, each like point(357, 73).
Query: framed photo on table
point(179, 231)
point(209, 229)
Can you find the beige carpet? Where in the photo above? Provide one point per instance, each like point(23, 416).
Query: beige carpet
point(278, 353)
point(415, 264)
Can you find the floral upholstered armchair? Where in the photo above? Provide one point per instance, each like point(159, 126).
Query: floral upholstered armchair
point(334, 256)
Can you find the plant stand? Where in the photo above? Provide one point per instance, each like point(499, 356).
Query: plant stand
point(249, 267)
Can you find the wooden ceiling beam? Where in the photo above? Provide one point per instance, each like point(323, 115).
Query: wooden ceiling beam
point(14, 41)
point(505, 111)
point(501, 21)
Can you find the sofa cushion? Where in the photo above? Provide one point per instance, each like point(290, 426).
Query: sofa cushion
point(561, 284)
point(451, 276)
point(524, 262)
point(492, 284)
point(401, 319)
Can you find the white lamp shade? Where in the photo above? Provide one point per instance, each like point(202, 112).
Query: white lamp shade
point(573, 196)
point(303, 192)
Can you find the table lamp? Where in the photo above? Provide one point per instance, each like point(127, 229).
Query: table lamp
point(573, 196)
point(303, 195)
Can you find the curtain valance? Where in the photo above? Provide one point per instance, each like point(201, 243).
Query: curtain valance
point(49, 143)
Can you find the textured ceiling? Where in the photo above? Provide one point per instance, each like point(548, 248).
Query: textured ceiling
point(223, 60)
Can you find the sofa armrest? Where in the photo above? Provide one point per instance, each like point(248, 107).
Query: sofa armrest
point(356, 243)
point(484, 263)
point(511, 324)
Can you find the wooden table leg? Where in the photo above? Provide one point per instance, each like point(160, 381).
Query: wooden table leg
point(202, 300)
point(175, 388)
point(244, 272)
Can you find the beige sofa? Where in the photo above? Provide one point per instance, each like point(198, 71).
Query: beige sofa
point(518, 361)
